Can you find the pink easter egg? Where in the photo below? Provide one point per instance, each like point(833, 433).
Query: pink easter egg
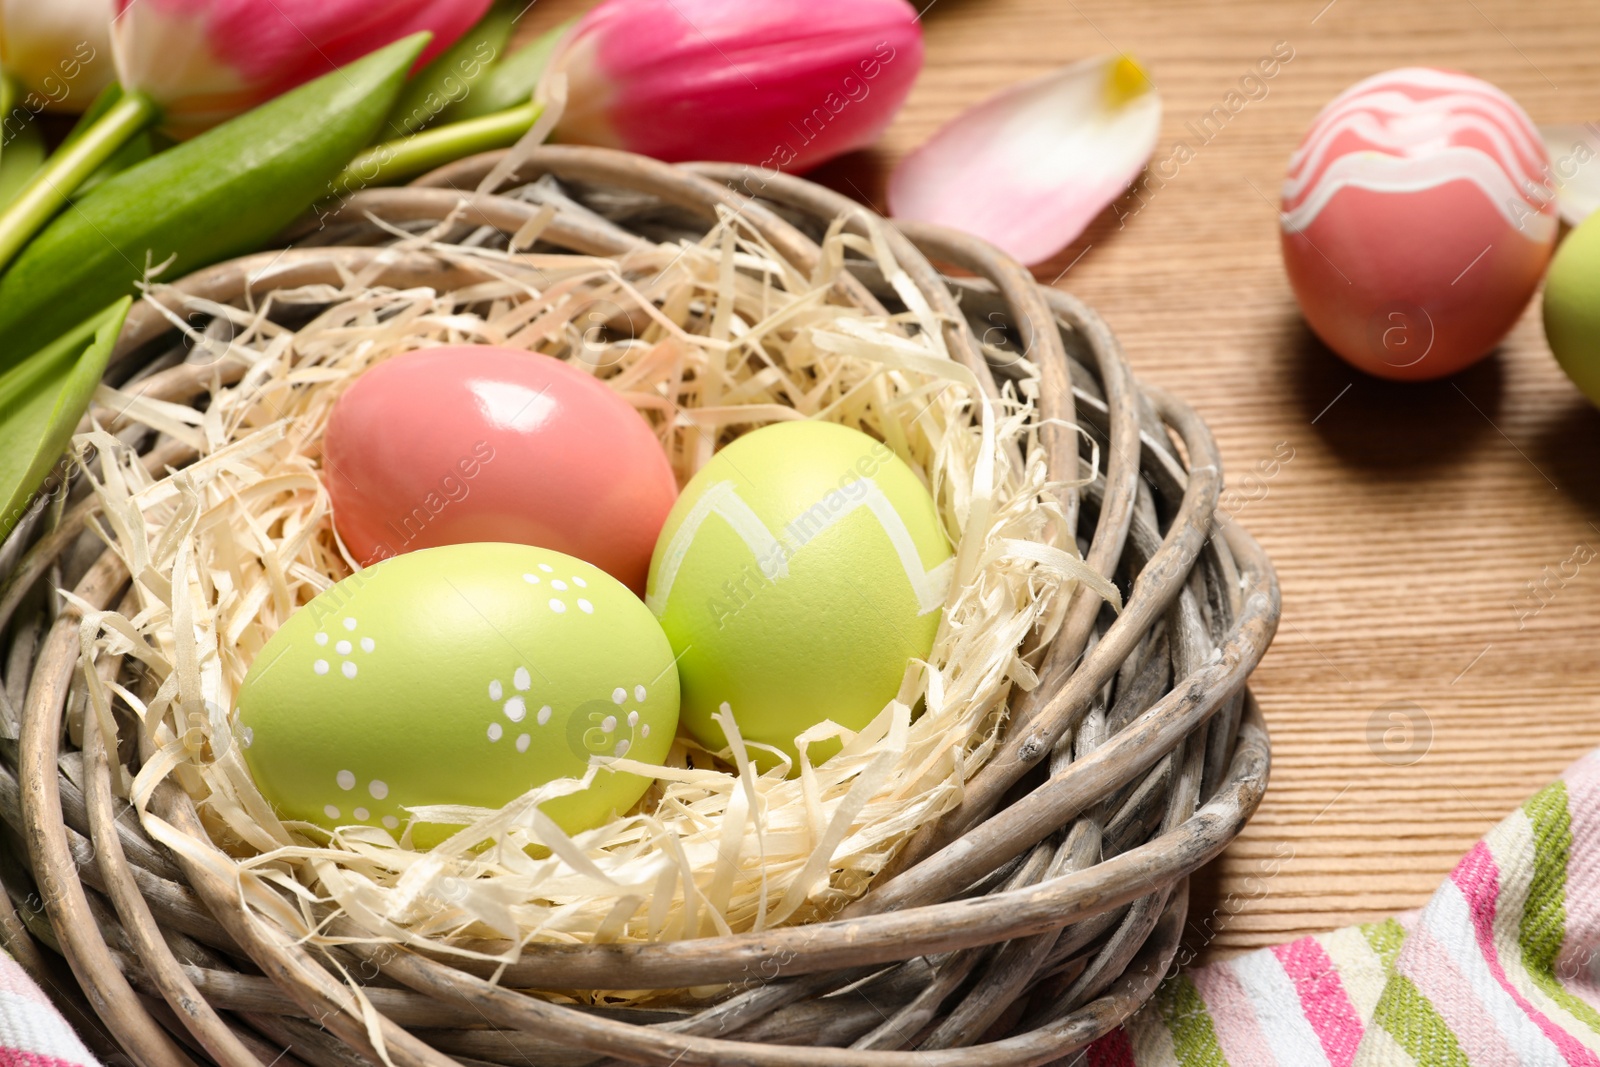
point(1417, 221)
point(444, 446)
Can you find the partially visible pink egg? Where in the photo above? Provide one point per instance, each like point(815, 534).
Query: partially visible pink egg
point(1417, 221)
point(444, 446)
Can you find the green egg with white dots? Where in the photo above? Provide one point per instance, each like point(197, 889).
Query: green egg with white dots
point(461, 675)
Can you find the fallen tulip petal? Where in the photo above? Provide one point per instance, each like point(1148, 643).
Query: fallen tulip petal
point(1029, 168)
point(1575, 164)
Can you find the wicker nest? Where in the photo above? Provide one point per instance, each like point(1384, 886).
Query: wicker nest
point(1026, 920)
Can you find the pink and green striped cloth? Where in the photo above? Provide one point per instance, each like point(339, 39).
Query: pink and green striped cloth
point(1501, 968)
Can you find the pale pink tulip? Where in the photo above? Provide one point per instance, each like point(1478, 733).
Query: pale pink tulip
point(785, 84)
point(204, 61)
point(57, 51)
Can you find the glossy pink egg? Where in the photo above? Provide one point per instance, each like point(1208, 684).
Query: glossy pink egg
point(475, 443)
point(1417, 221)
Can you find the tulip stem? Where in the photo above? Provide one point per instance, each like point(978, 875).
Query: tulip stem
point(407, 157)
point(53, 184)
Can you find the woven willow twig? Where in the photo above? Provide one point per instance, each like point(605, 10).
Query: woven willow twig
point(1029, 920)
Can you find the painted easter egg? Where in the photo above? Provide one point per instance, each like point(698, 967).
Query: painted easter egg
point(475, 443)
point(799, 572)
point(466, 674)
point(1572, 307)
point(1417, 222)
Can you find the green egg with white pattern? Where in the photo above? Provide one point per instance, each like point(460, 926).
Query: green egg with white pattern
point(461, 675)
point(798, 574)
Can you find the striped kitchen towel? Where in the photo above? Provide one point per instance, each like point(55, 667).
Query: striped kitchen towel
point(1501, 968)
point(32, 1032)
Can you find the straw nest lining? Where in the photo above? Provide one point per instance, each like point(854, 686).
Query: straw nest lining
point(726, 335)
point(1137, 754)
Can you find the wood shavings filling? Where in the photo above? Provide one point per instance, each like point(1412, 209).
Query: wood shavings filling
point(706, 340)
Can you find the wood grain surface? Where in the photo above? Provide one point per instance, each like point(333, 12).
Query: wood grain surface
point(1410, 521)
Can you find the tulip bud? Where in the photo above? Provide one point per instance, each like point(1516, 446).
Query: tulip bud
point(58, 51)
point(785, 84)
point(204, 61)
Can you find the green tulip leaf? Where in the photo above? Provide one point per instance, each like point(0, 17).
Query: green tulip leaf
point(23, 154)
point(43, 398)
point(224, 193)
point(510, 82)
point(137, 150)
point(454, 74)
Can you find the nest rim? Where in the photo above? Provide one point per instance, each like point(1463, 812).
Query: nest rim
point(913, 909)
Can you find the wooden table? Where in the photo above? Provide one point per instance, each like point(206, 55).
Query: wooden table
point(1411, 519)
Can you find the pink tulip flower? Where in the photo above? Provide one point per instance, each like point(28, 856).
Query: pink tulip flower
point(204, 61)
point(188, 65)
point(785, 84)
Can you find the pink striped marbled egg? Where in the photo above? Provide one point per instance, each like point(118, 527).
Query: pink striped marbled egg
point(1417, 221)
